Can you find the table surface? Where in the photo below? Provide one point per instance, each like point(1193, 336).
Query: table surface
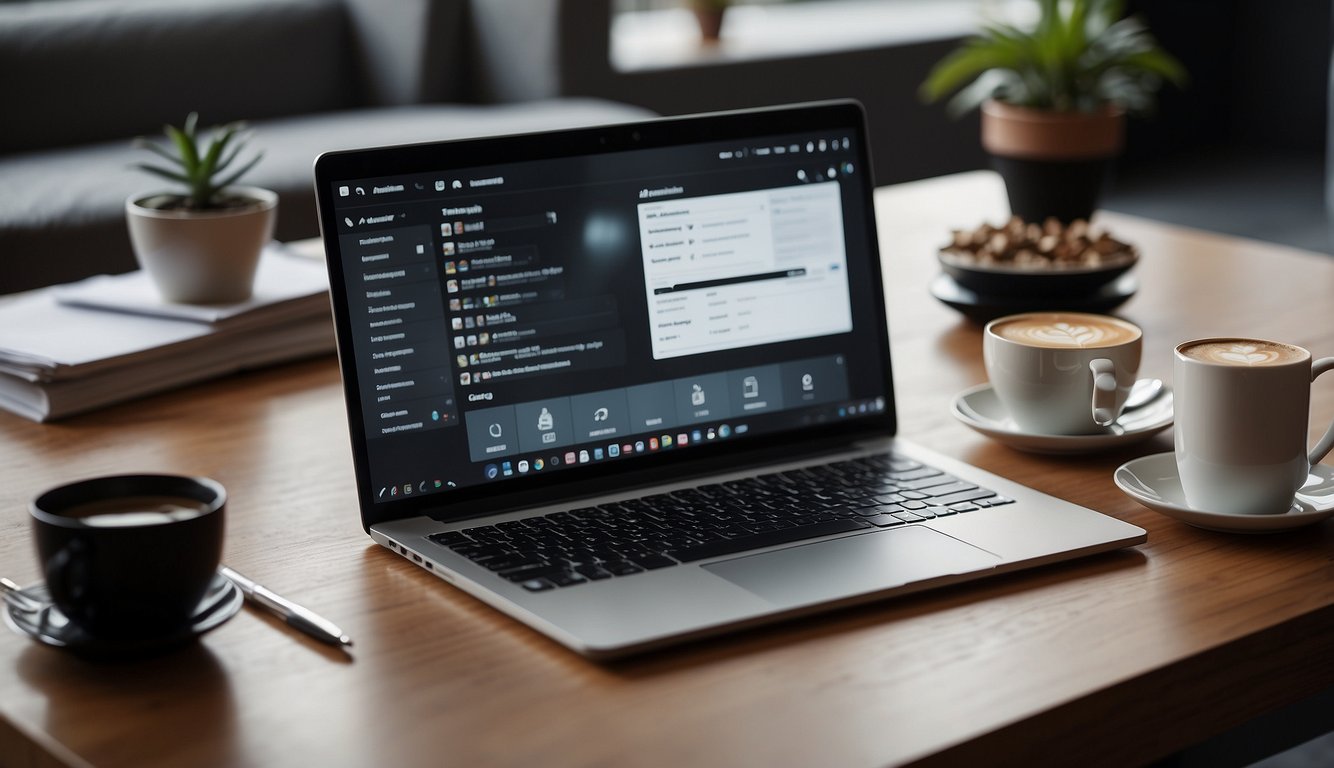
point(1109, 660)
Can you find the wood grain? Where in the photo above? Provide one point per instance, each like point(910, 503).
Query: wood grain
point(1112, 660)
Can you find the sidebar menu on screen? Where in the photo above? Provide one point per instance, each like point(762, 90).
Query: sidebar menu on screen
point(402, 354)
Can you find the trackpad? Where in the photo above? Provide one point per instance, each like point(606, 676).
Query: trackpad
point(853, 565)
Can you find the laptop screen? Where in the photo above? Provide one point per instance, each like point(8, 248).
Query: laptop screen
point(518, 308)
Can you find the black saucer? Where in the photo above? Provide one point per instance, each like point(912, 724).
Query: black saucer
point(47, 625)
point(984, 308)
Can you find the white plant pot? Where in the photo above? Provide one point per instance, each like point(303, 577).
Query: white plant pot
point(203, 257)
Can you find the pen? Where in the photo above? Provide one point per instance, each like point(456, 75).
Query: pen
point(296, 616)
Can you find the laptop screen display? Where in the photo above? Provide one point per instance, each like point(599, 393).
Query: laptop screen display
point(519, 319)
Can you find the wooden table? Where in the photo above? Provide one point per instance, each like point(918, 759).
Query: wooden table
point(1107, 661)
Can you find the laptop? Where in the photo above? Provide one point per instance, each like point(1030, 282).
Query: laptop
point(631, 385)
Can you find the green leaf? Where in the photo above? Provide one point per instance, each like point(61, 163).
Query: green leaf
point(191, 121)
point(157, 149)
point(230, 180)
point(963, 66)
point(163, 172)
point(185, 146)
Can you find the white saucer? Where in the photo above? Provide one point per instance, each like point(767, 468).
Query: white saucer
point(979, 409)
point(1153, 482)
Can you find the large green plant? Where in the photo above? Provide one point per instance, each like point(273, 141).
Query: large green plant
point(1080, 55)
point(198, 167)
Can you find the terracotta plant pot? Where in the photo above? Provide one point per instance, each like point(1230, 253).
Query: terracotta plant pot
point(1053, 163)
point(710, 20)
point(203, 257)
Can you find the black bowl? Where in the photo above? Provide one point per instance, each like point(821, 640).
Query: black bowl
point(1003, 281)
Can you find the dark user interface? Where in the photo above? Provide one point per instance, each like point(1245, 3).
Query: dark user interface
point(521, 319)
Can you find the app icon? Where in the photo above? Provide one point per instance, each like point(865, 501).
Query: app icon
point(494, 430)
point(750, 387)
point(613, 450)
point(724, 431)
point(653, 443)
point(343, 192)
point(545, 421)
point(569, 457)
point(583, 457)
point(601, 414)
point(537, 465)
point(666, 441)
point(627, 449)
point(439, 185)
point(597, 454)
point(696, 394)
point(696, 435)
point(710, 434)
point(506, 468)
point(683, 439)
point(438, 483)
point(523, 466)
point(393, 491)
point(407, 489)
point(807, 382)
point(639, 446)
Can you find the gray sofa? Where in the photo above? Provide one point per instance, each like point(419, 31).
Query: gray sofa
point(80, 78)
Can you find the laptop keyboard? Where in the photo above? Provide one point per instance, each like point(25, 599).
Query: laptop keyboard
point(623, 538)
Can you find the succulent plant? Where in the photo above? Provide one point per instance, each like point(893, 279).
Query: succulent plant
point(198, 167)
point(1079, 56)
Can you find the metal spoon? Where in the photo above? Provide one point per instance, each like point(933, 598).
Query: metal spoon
point(13, 595)
point(1143, 392)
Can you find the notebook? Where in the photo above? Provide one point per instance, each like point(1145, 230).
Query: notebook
point(631, 384)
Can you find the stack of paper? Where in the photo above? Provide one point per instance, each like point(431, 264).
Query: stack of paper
point(76, 347)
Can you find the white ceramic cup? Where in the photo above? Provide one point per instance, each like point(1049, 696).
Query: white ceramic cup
point(1241, 426)
point(1067, 380)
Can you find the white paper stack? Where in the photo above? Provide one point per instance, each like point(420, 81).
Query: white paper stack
point(76, 347)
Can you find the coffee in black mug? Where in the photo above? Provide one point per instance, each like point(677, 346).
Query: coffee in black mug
point(130, 556)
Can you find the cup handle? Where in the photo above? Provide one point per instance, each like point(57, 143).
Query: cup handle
point(1104, 391)
point(1323, 447)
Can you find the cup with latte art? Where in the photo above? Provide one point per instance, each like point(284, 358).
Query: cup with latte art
point(1062, 373)
point(1242, 410)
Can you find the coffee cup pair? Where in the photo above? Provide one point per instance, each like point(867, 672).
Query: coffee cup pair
point(130, 557)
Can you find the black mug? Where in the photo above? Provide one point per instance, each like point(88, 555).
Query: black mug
point(130, 556)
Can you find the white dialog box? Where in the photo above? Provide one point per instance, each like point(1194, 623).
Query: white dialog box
point(742, 269)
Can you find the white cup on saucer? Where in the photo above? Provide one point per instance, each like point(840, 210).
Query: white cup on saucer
point(1062, 373)
point(1243, 406)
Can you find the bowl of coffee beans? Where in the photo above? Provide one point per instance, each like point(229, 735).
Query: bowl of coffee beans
point(1020, 258)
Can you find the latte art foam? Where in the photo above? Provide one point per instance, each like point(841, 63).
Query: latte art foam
point(1065, 330)
point(1243, 352)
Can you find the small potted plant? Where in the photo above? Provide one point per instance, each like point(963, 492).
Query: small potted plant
point(201, 244)
point(1054, 99)
point(709, 14)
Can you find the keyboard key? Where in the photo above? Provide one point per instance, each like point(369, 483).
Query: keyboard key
point(537, 585)
point(945, 490)
point(652, 562)
point(908, 517)
point(621, 568)
point(950, 499)
point(767, 539)
point(884, 521)
point(592, 572)
point(566, 579)
point(964, 507)
point(928, 482)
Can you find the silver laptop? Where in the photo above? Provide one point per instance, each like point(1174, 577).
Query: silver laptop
point(630, 385)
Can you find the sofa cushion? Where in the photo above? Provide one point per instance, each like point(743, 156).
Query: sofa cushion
point(62, 211)
point(99, 69)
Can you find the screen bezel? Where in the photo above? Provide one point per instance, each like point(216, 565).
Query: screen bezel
point(532, 490)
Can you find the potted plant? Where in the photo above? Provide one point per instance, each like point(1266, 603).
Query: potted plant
point(201, 244)
point(1054, 99)
point(709, 14)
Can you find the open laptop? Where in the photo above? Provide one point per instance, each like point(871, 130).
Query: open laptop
point(631, 384)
